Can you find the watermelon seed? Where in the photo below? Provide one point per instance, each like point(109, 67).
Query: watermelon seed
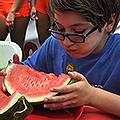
point(37, 85)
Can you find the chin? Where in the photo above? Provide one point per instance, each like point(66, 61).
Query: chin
point(74, 56)
point(77, 56)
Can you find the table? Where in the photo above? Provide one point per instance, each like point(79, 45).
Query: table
point(83, 113)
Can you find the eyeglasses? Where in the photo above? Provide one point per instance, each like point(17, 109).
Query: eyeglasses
point(77, 38)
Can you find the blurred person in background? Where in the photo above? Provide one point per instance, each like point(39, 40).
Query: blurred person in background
point(39, 13)
point(14, 18)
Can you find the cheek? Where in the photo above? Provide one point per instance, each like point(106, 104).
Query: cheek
point(92, 45)
point(93, 39)
point(89, 46)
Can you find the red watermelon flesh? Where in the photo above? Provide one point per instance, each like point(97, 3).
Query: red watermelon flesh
point(2, 95)
point(3, 98)
point(32, 84)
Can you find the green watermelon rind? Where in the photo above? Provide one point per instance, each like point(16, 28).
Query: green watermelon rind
point(41, 99)
point(15, 110)
point(4, 80)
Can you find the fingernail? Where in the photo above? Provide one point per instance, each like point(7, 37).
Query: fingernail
point(51, 89)
point(71, 73)
point(45, 100)
point(45, 106)
point(51, 109)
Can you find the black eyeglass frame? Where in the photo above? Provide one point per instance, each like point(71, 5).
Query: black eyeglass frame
point(67, 35)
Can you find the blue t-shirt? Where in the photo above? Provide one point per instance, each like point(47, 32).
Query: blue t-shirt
point(101, 69)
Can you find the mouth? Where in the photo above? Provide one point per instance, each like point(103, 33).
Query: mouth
point(70, 50)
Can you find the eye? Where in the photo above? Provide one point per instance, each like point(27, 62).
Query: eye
point(60, 30)
point(79, 32)
point(59, 27)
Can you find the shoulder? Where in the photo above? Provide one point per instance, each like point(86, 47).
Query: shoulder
point(114, 43)
point(115, 39)
point(51, 41)
point(52, 45)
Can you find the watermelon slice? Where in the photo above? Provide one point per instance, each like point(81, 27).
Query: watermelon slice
point(32, 84)
point(14, 107)
point(2, 95)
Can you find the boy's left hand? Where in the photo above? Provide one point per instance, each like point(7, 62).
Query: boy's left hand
point(74, 95)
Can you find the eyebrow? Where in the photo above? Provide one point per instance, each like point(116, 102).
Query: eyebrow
point(81, 23)
point(76, 24)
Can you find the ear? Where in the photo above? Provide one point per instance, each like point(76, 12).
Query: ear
point(110, 23)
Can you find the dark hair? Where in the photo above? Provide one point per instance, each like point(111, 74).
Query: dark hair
point(93, 10)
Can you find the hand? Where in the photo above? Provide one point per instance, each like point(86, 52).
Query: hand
point(10, 21)
point(76, 94)
point(3, 73)
point(33, 14)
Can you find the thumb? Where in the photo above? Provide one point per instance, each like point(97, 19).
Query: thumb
point(16, 59)
point(77, 76)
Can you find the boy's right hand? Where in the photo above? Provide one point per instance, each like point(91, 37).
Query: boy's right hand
point(3, 73)
point(15, 60)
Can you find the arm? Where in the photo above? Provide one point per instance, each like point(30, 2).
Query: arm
point(82, 93)
point(33, 10)
point(11, 16)
point(106, 101)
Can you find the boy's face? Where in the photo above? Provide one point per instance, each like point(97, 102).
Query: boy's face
point(71, 22)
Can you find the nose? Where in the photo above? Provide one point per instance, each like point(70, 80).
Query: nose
point(67, 42)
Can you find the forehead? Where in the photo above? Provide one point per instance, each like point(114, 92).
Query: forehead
point(69, 18)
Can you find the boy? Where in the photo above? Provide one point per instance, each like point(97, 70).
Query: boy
point(81, 41)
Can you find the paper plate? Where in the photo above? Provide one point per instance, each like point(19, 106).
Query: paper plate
point(7, 50)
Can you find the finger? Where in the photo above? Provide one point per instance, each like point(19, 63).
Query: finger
point(8, 23)
point(11, 27)
point(34, 16)
point(62, 105)
point(63, 89)
point(9, 30)
point(3, 73)
point(77, 76)
point(3, 87)
point(54, 106)
point(60, 98)
point(16, 59)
